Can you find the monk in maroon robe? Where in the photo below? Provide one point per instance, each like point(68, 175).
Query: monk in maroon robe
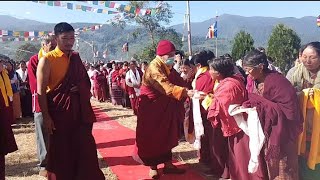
point(67, 112)
point(99, 83)
point(116, 92)
point(157, 119)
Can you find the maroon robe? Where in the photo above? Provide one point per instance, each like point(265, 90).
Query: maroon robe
point(7, 141)
point(116, 92)
point(160, 114)
point(281, 121)
point(213, 152)
point(72, 150)
point(231, 90)
point(125, 97)
point(99, 82)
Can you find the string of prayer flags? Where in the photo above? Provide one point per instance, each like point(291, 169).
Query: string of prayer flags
point(78, 7)
point(128, 8)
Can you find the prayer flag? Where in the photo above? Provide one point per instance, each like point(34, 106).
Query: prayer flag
point(16, 33)
point(69, 5)
point(57, 3)
point(83, 8)
point(132, 10)
point(117, 5)
point(107, 4)
point(137, 11)
point(99, 11)
point(26, 34)
point(127, 8)
point(95, 2)
point(153, 12)
point(121, 8)
point(78, 6)
point(112, 4)
point(31, 33)
point(50, 3)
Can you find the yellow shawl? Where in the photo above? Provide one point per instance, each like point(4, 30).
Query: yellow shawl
point(5, 86)
point(206, 103)
point(307, 102)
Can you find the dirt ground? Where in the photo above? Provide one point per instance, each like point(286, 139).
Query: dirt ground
point(22, 164)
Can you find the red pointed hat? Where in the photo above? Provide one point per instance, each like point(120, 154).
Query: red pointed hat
point(165, 47)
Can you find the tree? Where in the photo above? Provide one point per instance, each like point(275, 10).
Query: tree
point(150, 23)
point(25, 51)
point(283, 46)
point(171, 35)
point(242, 44)
point(147, 53)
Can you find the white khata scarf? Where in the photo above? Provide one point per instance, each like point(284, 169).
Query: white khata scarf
point(135, 80)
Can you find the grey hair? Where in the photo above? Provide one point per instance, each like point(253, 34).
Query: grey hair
point(46, 39)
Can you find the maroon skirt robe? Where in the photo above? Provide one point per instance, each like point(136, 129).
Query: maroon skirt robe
point(158, 125)
point(7, 140)
point(72, 150)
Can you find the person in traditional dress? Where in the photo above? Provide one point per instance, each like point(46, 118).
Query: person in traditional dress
point(63, 88)
point(48, 44)
point(144, 66)
point(125, 98)
point(277, 106)
point(230, 90)
point(115, 85)
point(25, 93)
point(187, 74)
point(108, 68)
point(179, 56)
point(295, 63)
point(15, 84)
point(306, 80)
point(157, 118)
point(7, 141)
point(133, 81)
point(203, 82)
point(90, 74)
point(99, 83)
point(213, 152)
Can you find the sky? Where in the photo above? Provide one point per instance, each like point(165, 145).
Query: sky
point(199, 10)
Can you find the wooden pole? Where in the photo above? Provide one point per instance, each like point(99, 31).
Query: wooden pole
point(189, 29)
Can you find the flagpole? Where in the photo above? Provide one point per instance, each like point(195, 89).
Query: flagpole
point(128, 47)
point(189, 29)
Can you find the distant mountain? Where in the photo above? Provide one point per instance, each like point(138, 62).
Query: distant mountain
point(113, 38)
point(259, 27)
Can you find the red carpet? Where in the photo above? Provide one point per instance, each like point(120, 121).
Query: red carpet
point(115, 144)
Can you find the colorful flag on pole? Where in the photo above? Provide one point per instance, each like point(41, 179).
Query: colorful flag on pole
point(212, 31)
point(125, 47)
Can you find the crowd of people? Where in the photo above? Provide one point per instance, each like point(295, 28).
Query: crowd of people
point(248, 119)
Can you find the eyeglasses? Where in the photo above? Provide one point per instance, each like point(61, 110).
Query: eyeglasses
point(249, 69)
